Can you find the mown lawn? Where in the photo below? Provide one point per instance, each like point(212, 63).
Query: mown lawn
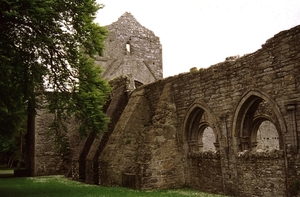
point(60, 186)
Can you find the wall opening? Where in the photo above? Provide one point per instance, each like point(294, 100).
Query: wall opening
point(255, 126)
point(208, 139)
point(267, 137)
point(128, 48)
point(200, 136)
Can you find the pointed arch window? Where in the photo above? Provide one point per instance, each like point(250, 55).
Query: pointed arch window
point(200, 136)
point(257, 124)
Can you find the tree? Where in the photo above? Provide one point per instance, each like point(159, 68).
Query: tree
point(48, 46)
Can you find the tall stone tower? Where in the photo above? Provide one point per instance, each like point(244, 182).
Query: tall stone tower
point(132, 50)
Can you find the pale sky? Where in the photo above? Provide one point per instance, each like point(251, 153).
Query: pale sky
point(200, 33)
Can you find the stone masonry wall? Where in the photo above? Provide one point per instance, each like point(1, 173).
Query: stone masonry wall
point(206, 172)
point(261, 173)
point(159, 156)
point(228, 94)
point(115, 107)
point(124, 145)
point(52, 157)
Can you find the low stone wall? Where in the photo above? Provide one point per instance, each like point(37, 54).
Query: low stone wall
point(206, 172)
point(261, 173)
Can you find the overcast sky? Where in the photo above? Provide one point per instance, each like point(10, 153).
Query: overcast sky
point(200, 33)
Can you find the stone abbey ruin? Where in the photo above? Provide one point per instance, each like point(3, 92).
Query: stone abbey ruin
point(229, 129)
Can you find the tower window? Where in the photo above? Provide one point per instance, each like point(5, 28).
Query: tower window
point(128, 48)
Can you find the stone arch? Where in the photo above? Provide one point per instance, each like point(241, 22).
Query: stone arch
point(256, 123)
point(246, 119)
point(197, 119)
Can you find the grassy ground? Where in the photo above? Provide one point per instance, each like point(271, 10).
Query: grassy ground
point(59, 186)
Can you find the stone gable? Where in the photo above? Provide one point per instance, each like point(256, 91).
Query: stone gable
point(131, 49)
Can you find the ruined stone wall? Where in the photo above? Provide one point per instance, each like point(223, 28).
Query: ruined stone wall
point(114, 109)
point(233, 98)
point(123, 145)
point(47, 158)
point(50, 156)
point(144, 143)
point(156, 142)
point(270, 73)
point(207, 172)
point(261, 173)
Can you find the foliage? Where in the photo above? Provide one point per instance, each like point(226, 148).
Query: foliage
point(193, 70)
point(48, 45)
point(7, 145)
point(201, 69)
point(11, 147)
point(60, 186)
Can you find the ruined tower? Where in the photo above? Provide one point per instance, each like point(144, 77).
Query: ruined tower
point(131, 49)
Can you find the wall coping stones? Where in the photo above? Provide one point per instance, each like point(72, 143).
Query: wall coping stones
point(205, 154)
point(267, 154)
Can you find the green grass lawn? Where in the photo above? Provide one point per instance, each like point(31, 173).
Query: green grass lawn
point(60, 186)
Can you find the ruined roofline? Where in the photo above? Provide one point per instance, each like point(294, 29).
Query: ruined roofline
point(269, 43)
point(122, 19)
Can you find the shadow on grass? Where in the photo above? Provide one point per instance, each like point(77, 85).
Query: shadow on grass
point(6, 173)
point(59, 186)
